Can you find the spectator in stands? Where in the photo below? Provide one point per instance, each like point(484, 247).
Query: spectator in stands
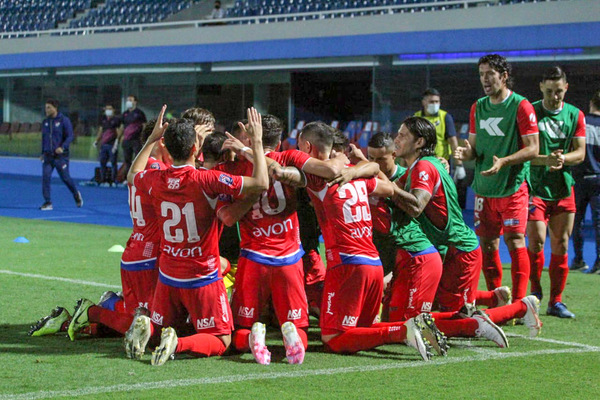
point(444, 127)
point(133, 123)
point(217, 12)
point(109, 134)
point(57, 135)
point(587, 187)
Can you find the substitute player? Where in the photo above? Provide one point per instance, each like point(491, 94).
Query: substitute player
point(503, 137)
point(552, 204)
point(190, 281)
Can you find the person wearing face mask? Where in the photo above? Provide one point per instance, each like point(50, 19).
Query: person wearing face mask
point(108, 136)
point(57, 135)
point(133, 124)
point(217, 12)
point(444, 127)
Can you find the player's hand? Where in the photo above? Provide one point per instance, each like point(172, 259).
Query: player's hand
point(356, 155)
point(232, 143)
point(555, 160)
point(159, 128)
point(444, 163)
point(345, 176)
point(202, 131)
point(254, 130)
point(59, 150)
point(464, 152)
point(496, 166)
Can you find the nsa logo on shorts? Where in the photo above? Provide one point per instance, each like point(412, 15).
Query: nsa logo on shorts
point(226, 179)
point(423, 176)
point(205, 323)
point(511, 222)
point(157, 318)
point(426, 307)
point(246, 312)
point(294, 314)
point(349, 320)
point(173, 183)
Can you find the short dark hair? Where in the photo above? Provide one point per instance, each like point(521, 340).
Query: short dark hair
point(423, 128)
point(596, 99)
point(180, 137)
point(53, 102)
point(199, 116)
point(498, 64)
point(133, 96)
point(319, 134)
point(555, 73)
point(382, 140)
point(340, 141)
point(212, 146)
point(430, 92)
point(272, 130)
point(147, 130)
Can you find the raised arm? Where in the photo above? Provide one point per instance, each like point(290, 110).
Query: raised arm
point(139, 164)
point(259, 181)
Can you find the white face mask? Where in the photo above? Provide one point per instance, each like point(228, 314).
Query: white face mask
point(129, 104)
point(108, 113)
point(433, 108)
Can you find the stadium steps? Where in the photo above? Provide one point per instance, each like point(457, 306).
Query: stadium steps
point(95, 4)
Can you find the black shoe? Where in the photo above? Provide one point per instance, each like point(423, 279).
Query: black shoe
point(47, 206)
point(595, 269)
point(78, 199)
point(578, 265)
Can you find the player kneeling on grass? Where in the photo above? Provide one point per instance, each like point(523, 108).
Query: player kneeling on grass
point(354, 279)
point(190, 279)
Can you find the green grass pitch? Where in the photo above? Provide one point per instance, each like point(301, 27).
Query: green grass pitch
point(563, 363)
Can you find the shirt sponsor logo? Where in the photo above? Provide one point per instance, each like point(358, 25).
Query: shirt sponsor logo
point(423, 176)
point(294, 314)
point(330, 295)
point(490, 125)
point(157, 318)
point(226, 179)
point(205, 323)
point(275, 229)
point(349, 320)
point(173, 183)
point(365, 231)
point(511, 222)
point(246, 312)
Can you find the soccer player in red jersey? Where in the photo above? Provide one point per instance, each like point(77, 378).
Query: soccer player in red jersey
point(503, 137)
point(189, 280)
point(552, 204)
point(354, 279)
point(270, 263)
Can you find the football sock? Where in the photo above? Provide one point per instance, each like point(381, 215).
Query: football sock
point(114, 320)
point(240, 340)
point(519, 270)
point(201, 345)
point(303, 336)
point(120, 306)
point(559, 269)
point(486, 298)
point(536, 260)
point(492, 269)
point(438, 316)
point(357, 339)
point(500, 315)
point(465, 327)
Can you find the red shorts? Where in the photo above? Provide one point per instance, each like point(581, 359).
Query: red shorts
point(255, 283)
point(139, 274)
point(412, 289)
point(207, 307)
point(493, 215)
point(351, 297)
point(460, 278)
point(543, 210)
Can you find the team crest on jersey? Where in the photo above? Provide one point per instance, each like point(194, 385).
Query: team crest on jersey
point(246, 312)
point(424, 176)
point(173, 183)
point(155, 166)
point(205, 323)
point(349, 320)
point(490, 125)
point(157, 318)
point(294, 314)
point(226, 179)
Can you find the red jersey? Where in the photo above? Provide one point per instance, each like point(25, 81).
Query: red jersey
point(345, 220)
point(424, 176)
point(185, 200)
point(269, 231)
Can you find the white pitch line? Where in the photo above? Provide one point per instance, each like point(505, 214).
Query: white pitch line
point(554, 341)
point(57, 278)
point(176, 383)
point(64, 217)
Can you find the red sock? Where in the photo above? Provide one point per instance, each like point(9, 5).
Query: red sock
point(559, 269)
point(492, 269)
point(240, 340)
point(465, 327)
point(500, 315)
point(536, 260)
point(438, 316)
point(201, 345)
point(303, 336)
point(519, 270)
point(120, 307)
point(114, 320)
point(486, 298)
point(357, 339)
